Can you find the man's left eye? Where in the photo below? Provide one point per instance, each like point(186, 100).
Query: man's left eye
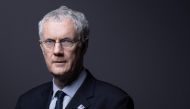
point(66, 41)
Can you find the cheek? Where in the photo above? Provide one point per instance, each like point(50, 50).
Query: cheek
point(71, 56)
point(47, 57)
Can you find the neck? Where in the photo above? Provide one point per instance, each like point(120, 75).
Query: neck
point(64, 80)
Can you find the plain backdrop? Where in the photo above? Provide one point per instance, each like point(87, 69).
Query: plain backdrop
point(142, 46)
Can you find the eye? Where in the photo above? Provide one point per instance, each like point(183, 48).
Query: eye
point(67, 40)
point(49, 41)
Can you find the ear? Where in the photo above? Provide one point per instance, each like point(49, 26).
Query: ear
point(84, 47)
point(42, 48)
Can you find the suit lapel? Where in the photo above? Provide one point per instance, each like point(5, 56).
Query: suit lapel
point(84, 93)
point(46, 95)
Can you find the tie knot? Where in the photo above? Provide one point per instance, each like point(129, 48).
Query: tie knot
point(60, 94)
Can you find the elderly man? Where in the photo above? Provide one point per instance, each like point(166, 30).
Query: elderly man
point(64, 40)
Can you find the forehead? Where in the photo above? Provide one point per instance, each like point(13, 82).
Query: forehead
point(58, 29)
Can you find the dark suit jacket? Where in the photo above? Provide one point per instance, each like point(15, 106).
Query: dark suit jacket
point(93, 94)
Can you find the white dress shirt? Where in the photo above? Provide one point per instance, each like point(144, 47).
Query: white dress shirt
point(69, 90)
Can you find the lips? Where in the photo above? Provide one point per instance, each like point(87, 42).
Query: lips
point(59, 61)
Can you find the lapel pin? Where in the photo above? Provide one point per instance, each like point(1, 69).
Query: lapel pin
point(80, 107)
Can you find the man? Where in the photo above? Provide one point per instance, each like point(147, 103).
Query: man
point(64, 40)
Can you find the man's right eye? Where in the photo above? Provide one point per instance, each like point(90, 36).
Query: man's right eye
point(49, 41)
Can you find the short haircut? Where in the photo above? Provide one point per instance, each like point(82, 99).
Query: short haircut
point(79, 19)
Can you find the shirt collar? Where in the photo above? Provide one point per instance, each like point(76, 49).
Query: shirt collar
point(71, 89)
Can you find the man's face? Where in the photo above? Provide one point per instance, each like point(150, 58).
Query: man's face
point(61, 61)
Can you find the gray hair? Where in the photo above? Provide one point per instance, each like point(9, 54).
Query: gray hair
point(79, 19)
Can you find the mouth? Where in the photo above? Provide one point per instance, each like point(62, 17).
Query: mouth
point(59, 62)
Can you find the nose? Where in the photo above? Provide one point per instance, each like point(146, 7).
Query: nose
point(58, 50)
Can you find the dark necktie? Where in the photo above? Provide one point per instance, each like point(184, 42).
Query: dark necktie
point(59, 103)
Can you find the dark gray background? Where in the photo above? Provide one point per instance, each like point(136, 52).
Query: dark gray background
point(142, 46)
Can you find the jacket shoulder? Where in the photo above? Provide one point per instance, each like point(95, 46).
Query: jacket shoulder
point(38, 89)
point(108, 96)
point(109, 90)
point(34, 97)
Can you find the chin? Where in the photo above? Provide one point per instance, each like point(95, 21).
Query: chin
point(63, 76)
point(59, 72)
